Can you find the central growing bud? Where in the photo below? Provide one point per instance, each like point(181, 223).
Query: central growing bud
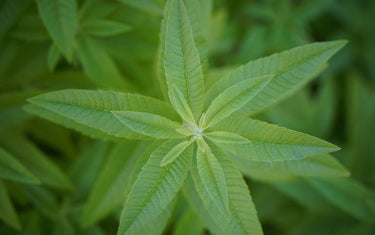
point(196, 131)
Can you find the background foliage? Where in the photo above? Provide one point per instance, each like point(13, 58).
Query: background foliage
point(58, 169)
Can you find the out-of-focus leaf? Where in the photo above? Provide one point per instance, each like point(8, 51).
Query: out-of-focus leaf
point(152, 6)
point(7, 212)
point(9, 12)
point(105, 28)
point(53, 57)
point(189, 223)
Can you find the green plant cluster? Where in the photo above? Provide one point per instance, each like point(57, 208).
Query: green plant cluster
point(187, 117)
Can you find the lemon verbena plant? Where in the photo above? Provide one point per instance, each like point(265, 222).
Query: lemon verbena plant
point(205, 136)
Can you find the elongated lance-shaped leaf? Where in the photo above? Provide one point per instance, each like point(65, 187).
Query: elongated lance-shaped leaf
point(234, 98)
point(7, 212)
point(180, 104)
point(268, 142)
point(149, 124)
point(175, 152)
point(90, 111)
point(319, 166)
point(119, 172)
point(226, 137)
point(105, 28)
point(34, 160)
point(59, 17)
point(291, 70)
point(242, 217)
point(154, 188)
point(212, 176)
point(11, 168)
point(181, 59)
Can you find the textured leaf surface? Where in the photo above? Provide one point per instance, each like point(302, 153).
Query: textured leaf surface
point(182, 62)
point(234, 98)
point(59, 16)
point(242, 217)
point(175, 152)
point(180, 104)
point(268, 142)
point(90, 111)
point(312, 166)
point(154, 189)
point(115, 179)
point(34, 160)
point(291, 70)
point(7, 212)
point(226, 137)
point(212, 176)
point(149, 124)
point(11, 168)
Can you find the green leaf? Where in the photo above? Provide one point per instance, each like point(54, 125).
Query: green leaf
point(233, 99)
point(7, 212)
point(242, 217)
point(313, 166)
point(212, 176)
point(268, 142)
point(11, 168)
point(99, 66)
point(34, 160)
point(150, 6)
point(90, 111)
point(175, 152)
point(180, 104)
point(59, 16)
point(53, 57)
point(10, 11)
point(291, 70)
point(105, 28)
point(349, 195)
point(182, 62)
point(188, 224)
point(149, 124)
point(226, 137)
point(115, 179)
point(154, 189)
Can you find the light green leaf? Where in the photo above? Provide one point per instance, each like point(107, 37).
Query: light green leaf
point(242, 217)
point(34, 160)
point(99, 66)
point(175, 152)
point(115, 179)
point(59, 17)
point(11, 168)
point(7, 212)
point(90, 111)
point(154, 189)
point(268, 142)
point(234, 98)
point(53, 57)
point(349, 195)
point(226, 137)
point(212, 176)
point(105, 28)
point(180, 104)
point(149, 124)
point(313, 166)
point(182, 62)
point(291, 70)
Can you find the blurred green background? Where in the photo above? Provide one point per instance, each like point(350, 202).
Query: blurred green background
point(114, 47)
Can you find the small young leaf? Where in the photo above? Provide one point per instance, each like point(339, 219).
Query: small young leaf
point(226, 137)
point(105, 28)
point(182, 62)
point(149, 124)
point(180, 104)
point(269, 142)
point(212, 176)
point(53, 57)
point(59, 16)
point(291, 70)
point(11, 168)
point(234, 98)
point(7, 212)
point(175, 152)
point(154, 189)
